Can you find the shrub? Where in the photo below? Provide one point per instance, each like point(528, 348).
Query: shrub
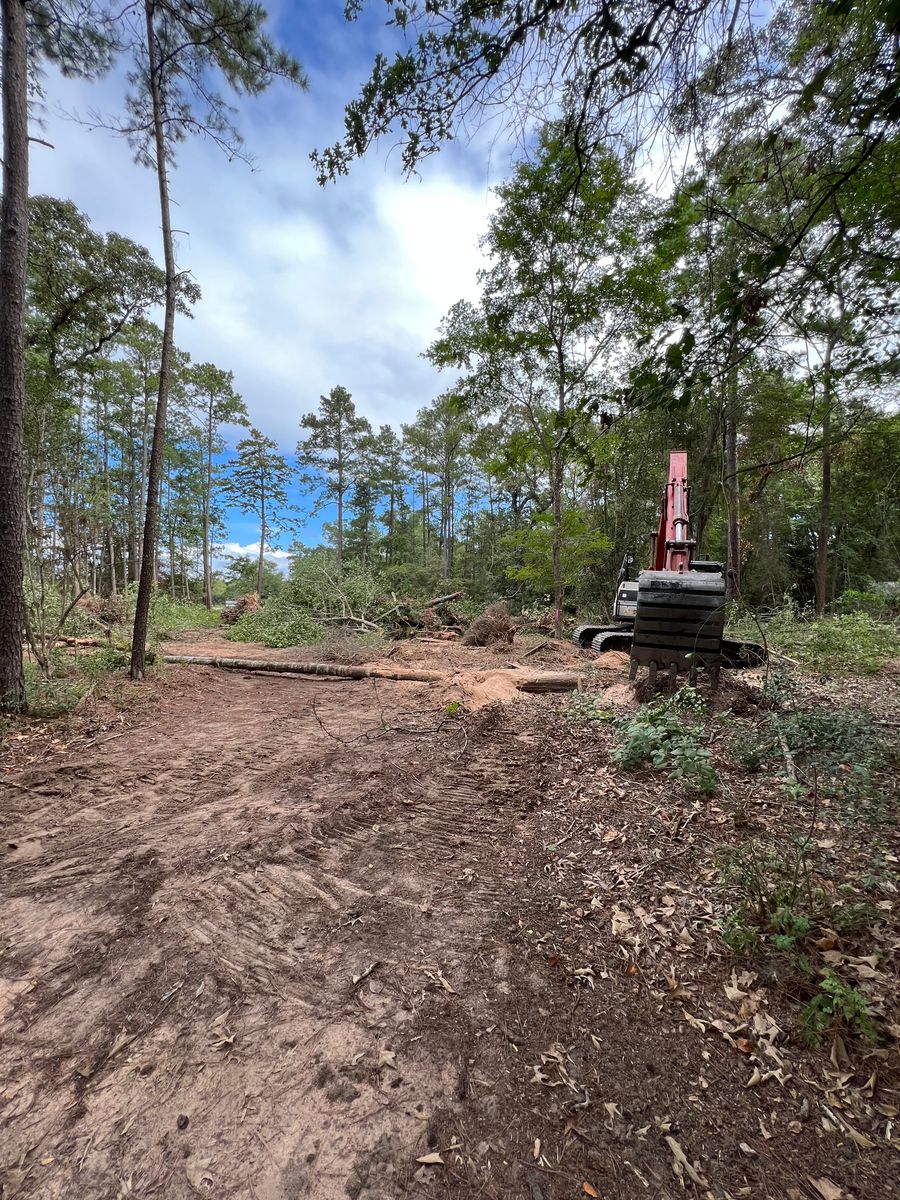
point(169, 616)
point(836, 1004)
point(852, 759)
point(101, 662)
point(667, 735)
point(778, 904)
point(852, 641)
point(277, 624)
point(54, 696)
point(881, 601)
point(842, 751)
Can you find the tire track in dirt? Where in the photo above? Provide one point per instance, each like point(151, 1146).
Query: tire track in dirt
point(234, 918)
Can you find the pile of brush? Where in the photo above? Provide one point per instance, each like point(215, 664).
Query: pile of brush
point(236, 608)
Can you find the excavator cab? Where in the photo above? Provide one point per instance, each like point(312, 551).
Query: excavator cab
point(625, 603)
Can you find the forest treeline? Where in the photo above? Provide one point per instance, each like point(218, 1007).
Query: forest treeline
point(744, 309)
point(536, 432)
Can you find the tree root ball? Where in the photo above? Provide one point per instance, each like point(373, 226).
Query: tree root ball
point(246, 604)
point(493, 628)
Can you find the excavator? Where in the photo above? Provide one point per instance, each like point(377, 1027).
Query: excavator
point(671, 619)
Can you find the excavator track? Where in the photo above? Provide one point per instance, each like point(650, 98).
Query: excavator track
point(585, 635)
point(613, 639)
point(738, 656)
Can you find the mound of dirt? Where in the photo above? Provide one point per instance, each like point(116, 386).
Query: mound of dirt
point(493, 628)
point(246, 604)
point(476, 689)
point(622, 695)
point(612, 659)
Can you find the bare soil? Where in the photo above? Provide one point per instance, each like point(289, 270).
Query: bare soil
point(284, 937)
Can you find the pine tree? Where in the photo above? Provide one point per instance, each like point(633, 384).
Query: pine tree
point(333, 453)
point(257, 483)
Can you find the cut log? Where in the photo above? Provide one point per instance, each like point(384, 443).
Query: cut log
point(543, 682)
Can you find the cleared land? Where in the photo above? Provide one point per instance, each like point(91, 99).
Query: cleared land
point(286, 937)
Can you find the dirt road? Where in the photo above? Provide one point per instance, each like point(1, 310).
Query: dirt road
point(296, 937)
point(241, 944)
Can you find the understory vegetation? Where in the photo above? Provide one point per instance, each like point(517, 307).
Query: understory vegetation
point(808, 907)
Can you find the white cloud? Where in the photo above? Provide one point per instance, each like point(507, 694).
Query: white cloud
point(235, 549)
point(223, 552)
point(303, 288)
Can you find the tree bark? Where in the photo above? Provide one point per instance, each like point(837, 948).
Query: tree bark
point(262, 541)
point(340, 515)
point(731, 480)
point(13, 265)
point(824, 534)
point(207, 506)
point(544, 681)
point(145, 586)
point(556, 471)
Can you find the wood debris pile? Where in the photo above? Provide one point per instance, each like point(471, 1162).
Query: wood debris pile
point(246, 604)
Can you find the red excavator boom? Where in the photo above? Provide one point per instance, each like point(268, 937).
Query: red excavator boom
point(672, 548)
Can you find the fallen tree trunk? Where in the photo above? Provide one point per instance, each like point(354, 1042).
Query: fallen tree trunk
point(543, 682)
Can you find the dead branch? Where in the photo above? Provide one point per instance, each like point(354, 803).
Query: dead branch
point(428, 604)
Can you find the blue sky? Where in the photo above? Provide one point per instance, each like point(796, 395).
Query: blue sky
point(303, 288)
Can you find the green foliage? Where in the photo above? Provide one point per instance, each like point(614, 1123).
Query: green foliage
point(668, 735)
point(314, 585)
point(241, 578)
point(53, 696)
point(841, 753)
point(312, 594)
point(881, 602)
point(581, 708)
point(102, 662)
point(583, 551)
point(837, 1005)
point(168, 616)
point(279, 623)
point(851, 642)
point(850, 755)
point(854, 642)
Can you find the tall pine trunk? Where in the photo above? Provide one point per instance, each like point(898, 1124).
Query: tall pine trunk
point(207, 507)
point(731, 482)
point(340, 521)
point(145, 586)
point(13, 263)
point(558, 583)
point(262, 541)
point(824, 534)
point(556, 485)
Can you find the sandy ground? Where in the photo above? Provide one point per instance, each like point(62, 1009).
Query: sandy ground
point(220, 930)
point(292, 937)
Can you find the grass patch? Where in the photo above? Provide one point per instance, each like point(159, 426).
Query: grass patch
point(168, 616)
point(54, 696)
point(847, 643)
